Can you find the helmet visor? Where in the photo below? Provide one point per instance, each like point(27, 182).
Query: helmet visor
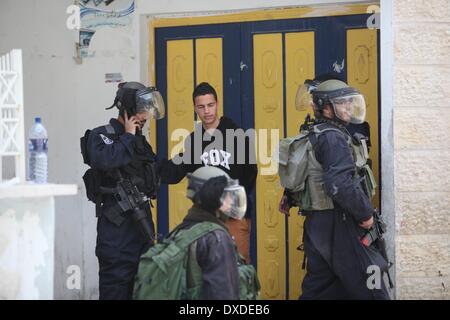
point(350, 108)
point(303, 98)
point(149, 99)
point(234, 202)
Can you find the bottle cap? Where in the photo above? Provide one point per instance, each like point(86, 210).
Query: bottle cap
point(37, 120)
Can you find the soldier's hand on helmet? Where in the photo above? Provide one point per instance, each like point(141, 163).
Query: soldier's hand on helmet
point(131, 124)
point(367, 224)
point(284, 206)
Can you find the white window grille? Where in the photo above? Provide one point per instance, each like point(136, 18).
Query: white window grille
point(12, 142)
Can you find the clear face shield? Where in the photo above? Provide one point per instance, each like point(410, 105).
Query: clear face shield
point(149, 99)
point(303, 98)
point(234, 201)
point(350, 108)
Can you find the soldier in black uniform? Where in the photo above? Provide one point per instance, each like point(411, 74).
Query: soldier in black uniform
point(338, 264)
point(122, 179)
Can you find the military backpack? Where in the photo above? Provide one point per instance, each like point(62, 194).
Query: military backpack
point(169, 270)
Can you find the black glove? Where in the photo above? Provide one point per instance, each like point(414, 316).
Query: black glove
point(208, 197)
point(290, 201)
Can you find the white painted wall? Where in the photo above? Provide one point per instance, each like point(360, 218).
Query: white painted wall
point(27, 239)
point(71, 98)
point(29, 225)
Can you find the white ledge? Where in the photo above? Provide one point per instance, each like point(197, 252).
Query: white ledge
point(31, 190)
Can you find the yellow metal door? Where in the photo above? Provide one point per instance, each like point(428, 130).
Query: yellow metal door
point(209, 66)
point(281, 60)
point(362, 73)
point(180, 83)
point(268, 87)
point(180, 115)
point(299, 67)
point(299, 64)
point(269, 84)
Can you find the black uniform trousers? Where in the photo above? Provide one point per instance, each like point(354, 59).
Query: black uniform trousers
point(118, 250)
point(337, 263)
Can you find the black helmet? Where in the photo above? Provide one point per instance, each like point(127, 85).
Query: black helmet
point(348, 103)
point(134, 97)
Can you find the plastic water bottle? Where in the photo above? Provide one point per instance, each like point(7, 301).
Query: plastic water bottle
point(38, 153)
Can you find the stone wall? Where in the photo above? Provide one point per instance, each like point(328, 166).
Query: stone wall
point(422, 147)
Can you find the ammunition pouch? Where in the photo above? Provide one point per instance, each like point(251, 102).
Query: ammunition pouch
point(114, 215)
point(92, 181)
point(83, 145)
point(152, 179)
point(367, 180)
point(363, 166)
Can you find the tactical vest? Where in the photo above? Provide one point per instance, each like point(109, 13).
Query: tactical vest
point(303, 175)
point(141, 171)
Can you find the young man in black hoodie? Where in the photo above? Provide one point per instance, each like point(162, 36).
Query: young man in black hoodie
point(221, 143)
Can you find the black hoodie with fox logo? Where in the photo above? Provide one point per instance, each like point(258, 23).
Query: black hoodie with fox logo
point(228, 147)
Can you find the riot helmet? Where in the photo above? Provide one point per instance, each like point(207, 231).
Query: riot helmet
point(214, 191)
point(348, 103)
point(134, 97)
point(303, 98)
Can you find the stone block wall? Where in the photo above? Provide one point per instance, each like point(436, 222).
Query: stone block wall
point(422, 148)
